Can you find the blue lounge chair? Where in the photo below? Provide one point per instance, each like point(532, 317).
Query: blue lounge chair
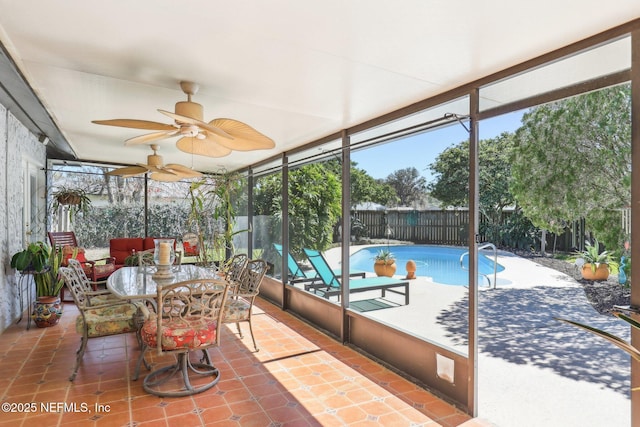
point(332, 286)
point(297, 274)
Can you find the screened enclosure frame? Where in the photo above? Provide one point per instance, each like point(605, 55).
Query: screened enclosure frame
point(474, 91)
point(354, 329)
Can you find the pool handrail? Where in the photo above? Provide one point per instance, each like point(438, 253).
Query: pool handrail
point(495, 261)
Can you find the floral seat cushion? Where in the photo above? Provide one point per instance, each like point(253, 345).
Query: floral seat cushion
point(236, 310)
point(177, 334)
point(104, 269)
point(102, 299)
point(116, 319)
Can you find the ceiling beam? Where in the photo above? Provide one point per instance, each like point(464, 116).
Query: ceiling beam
point(20, 99)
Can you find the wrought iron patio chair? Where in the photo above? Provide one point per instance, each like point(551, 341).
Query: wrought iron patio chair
point(240, 304)
point(233, 269)
point(95, 295)
point(188, 320)
point(98, 320)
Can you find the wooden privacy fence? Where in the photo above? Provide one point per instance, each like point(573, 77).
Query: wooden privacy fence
point(432, 226)
point(445, 227)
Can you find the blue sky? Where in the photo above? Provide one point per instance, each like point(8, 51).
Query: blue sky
point(421, 150)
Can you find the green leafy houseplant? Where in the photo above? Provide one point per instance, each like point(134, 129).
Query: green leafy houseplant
point(33, 258)
point(215, 198)
point(44, 263)
point(76, 199)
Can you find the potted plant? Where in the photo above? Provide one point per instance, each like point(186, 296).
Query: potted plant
point(43, 263)
point(593, 263)
point(76, 199)
point(33, 258)
point(385, 263)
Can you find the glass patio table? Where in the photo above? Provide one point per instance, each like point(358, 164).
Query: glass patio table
point(138, 282)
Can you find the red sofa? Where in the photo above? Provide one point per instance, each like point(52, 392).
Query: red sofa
point(121, 247)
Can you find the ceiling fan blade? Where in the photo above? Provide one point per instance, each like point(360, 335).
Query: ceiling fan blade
point(149, 137)
point(199, 123)
point(182, 170)
point(165, 177)
point(202, 147)
point(156, 169)
point(136, 124)
point(128, 171)
point(245, 138)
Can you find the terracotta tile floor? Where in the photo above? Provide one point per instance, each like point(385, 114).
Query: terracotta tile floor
point(300, 377)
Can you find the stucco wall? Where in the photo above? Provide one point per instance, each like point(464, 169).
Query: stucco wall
point(16, 145)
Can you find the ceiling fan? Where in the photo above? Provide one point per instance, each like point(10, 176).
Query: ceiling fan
point(214, 139)
point(158, 171)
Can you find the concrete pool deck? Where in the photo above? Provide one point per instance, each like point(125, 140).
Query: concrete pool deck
point(532, 370)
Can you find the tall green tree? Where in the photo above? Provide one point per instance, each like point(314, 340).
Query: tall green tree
point(315, 197)
point(572, 160)
point(364, 188)
point(451, 170)
point(409, 185)
point(451, 176)
point(451, 187)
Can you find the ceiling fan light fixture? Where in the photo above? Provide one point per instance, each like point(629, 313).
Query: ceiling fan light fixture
point(216, 138)
point(189, 130)
point(156, 169)
point(189, 109)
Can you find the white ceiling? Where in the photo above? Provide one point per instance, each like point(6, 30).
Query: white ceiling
point(296, 70)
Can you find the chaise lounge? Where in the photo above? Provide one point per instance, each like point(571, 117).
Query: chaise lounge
point(331, 283)
point(297, 274)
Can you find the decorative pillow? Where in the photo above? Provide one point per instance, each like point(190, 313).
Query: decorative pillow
point(69, 252)
point(190, 244)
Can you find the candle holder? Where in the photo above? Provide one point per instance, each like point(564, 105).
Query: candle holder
point(163, 257)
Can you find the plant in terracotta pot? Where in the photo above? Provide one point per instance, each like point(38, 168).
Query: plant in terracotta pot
point(43, 263)
point(384, 263)
point(594, 264)
point(76, 199)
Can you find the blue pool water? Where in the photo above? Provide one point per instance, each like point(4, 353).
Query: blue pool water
point(441, 263)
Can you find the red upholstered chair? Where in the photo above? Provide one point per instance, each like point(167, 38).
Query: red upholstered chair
point(96, 270)
point(122, 247)
point(148, 243)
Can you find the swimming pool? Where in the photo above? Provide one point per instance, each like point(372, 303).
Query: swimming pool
point(441, 263)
